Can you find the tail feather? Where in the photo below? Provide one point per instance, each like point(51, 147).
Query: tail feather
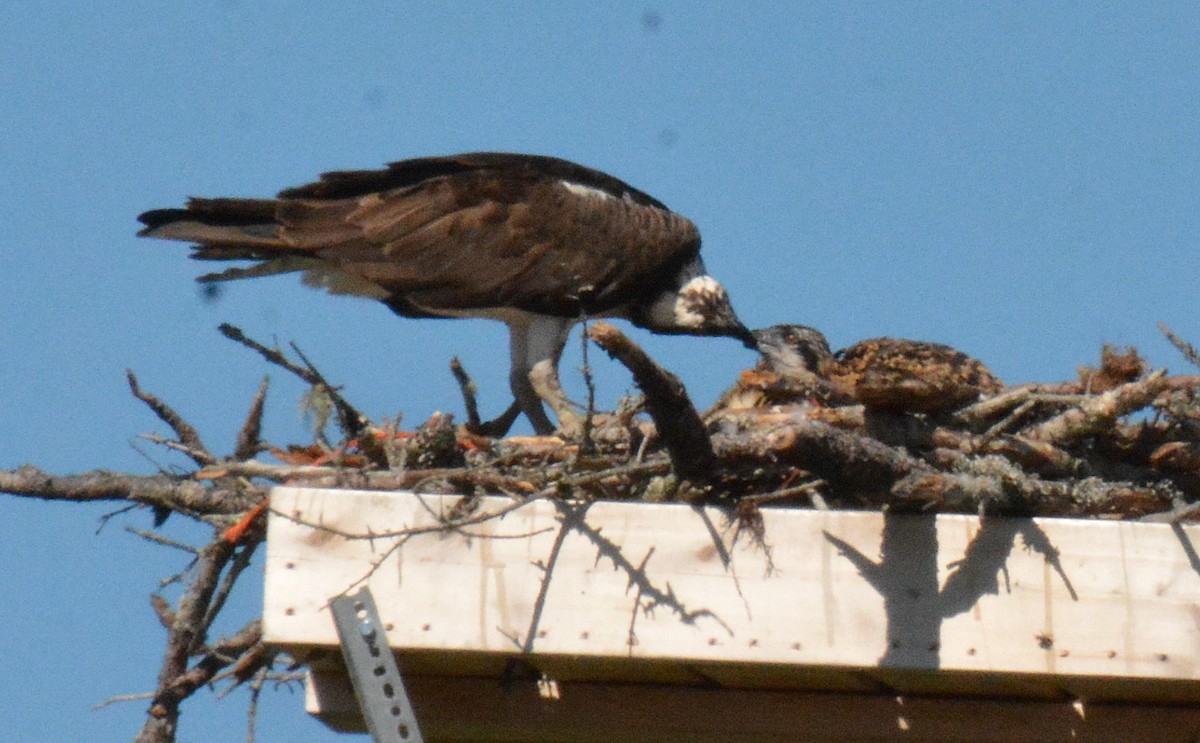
point(216, 212)
point(241, 252)
point(218, 223)
point(251, 230)
point(272, 267)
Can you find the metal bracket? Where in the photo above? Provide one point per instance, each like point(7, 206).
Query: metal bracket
point(373, 670)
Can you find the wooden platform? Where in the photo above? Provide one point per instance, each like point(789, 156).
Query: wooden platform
point(649, 622)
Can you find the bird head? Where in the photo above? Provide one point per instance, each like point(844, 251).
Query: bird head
point(793, 348)
point(701, 307)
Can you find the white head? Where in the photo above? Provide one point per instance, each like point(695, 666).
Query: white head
point(699, 305)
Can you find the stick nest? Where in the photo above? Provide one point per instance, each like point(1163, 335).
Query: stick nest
point(1121, 441)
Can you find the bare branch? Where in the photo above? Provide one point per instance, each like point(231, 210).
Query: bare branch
point(184, 637)
point(123, 698)
point(1175, 515)
point(241, 561)
point(273, 355)
point(116, 512)
point(587, 446)
point(989, 407)
point(354, 424)
point(249, 442)
point(1099, 413)
point(166, 615)
point(150, 536)
point(1028, 494)
point(224, 653)
point(473, 519)
point(200, 457)
point(679, 425)
point(850, 462)
point(330, 476)
point(177, 494)
point(1187, 349)
point(188, 437)
point(496, 427)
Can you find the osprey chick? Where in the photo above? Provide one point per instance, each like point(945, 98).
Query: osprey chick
point(890, 374)
point(535, 242)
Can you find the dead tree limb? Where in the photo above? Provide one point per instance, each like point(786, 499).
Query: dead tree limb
point(1099, 413)
point(679, 425)
point(1013, 492)
point(223, 653)
point(847, 460)
point(192, 445)
point(353, 423)
point(1187, 349)
point(178, 494)
point(249, 441)
point(184, 637)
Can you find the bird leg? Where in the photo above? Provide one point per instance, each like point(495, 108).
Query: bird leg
point(544, 379)
point(498, 426)
point(494, 428)
point(537, 343)
point(529, 401)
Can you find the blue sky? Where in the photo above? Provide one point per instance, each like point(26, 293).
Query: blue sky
point(1019, 180)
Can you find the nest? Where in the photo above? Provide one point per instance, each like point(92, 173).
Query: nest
point(861, 430)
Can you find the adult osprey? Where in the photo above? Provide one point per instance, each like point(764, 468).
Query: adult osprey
point(535, 242)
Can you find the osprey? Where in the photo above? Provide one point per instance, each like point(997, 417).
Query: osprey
point(535, 242)
point(886, 374)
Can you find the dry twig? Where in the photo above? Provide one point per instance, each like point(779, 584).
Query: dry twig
point(1098, 414)
point(675, 417)
point(1187, 349)
point(189, 440)
point(249, 442)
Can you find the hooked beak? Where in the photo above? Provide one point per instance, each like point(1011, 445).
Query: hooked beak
point(747, 337)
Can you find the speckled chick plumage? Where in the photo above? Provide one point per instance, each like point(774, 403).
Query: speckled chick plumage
point(887, 374)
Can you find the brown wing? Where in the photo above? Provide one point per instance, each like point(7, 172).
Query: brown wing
point(341, 184)
point(452, 234)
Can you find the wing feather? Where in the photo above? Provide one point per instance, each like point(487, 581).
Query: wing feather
point(482, 230)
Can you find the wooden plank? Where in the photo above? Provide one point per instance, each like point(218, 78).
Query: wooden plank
point(475, 709)
point(861, 603)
